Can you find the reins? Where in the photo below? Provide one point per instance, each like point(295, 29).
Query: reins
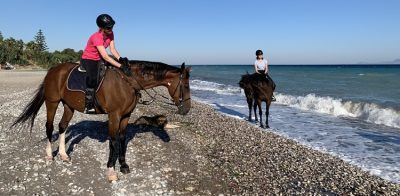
point(154, 97)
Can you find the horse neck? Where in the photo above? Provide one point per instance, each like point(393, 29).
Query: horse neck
point(148, 80)
point(150, 83)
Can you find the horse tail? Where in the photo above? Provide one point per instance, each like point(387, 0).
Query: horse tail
point(32, 109)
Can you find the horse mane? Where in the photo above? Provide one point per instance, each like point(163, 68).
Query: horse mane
point(253, 80)
point(157, 69)
point(245, 81)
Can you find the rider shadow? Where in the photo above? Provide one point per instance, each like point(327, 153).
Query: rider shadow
point(98, 130)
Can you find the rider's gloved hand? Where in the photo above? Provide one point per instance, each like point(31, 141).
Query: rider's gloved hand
point(125, 66)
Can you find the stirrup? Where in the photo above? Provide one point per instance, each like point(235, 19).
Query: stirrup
point(81, 69)
point(90, 111)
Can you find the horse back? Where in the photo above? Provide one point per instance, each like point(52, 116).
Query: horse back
point(55, 80)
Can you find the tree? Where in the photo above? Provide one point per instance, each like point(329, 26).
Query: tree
point(40, 42)
point(34, 52)
point(13, 51)
point(67, 55)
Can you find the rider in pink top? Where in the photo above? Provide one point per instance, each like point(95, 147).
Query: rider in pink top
point(95, 54)
point(97, 39)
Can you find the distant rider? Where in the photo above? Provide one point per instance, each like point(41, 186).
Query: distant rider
point(261, 67)
point(95, 54)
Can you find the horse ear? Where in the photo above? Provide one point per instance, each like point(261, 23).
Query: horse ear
point(183, 66)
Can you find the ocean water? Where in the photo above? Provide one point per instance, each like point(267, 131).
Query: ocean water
point(349, 111)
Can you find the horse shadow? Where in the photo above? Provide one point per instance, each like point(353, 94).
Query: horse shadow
point(98, 130)
point(226, 110)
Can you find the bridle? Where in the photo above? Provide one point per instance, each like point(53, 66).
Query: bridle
point(180, 85)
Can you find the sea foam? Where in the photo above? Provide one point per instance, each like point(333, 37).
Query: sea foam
point(369, 112)
point(214, 87)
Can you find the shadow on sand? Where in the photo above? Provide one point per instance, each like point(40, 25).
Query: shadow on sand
point(226, 110)
point(98, 130)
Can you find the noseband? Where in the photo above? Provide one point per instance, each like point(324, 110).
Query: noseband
point(180, 86)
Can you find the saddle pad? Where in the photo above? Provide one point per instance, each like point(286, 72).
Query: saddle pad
point(77, 81)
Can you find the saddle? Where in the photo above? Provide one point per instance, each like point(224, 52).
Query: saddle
point(77, 79)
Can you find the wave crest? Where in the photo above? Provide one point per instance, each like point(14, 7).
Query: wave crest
point(215, 87)
point(369, 112)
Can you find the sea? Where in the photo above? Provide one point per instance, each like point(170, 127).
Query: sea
point(349, 111)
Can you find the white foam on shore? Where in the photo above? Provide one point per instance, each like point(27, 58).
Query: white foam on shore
point(214, 87)
point(368, 112)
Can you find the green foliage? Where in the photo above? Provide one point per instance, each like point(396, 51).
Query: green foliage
point(34, 52)
point(40, 41)
point(67, 55)
point(13, 51)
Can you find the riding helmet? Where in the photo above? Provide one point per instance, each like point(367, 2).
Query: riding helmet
point(105, 21)
point(259, 52)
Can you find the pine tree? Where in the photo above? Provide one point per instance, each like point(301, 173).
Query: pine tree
point(1, 37)
point(40, 42)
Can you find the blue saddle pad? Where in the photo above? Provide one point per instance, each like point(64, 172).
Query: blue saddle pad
point(77, 80)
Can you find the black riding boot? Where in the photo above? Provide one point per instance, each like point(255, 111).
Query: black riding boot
point(89, 101)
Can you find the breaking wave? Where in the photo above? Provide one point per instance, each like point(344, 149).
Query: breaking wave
point(214, 87)
point(369, 112)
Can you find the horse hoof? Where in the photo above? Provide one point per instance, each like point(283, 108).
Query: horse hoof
point(267, 127)
point(65, 158)
point(124, 169)
point(112, 178)
point(262, 126)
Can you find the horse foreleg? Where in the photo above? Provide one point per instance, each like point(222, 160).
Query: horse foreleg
point(114, 121)
point(267, 114)
point(122, 151)
point(62, 126)
point(250, 104)
point(255, 110)
point(259, 104)
point(51, 108)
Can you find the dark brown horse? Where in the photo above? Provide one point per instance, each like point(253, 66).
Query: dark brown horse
point(117, 97)
point(259, 89)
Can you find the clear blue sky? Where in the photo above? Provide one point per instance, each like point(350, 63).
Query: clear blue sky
point(219, 31)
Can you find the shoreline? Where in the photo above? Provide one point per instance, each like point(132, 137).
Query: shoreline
point(295, 161)
point(303, 142)
point(211, 153)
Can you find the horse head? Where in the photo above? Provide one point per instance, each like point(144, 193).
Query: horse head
point(245, 84)
point(179, 89)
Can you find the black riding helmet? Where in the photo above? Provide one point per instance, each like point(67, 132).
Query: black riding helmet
point(105, 21)
point(259, 52)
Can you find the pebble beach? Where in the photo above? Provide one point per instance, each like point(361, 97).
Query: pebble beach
point(208, 153)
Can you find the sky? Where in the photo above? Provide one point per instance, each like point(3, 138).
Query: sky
point(219, 31)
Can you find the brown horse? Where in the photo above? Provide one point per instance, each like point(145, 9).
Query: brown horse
point(117, 97)
point(257, 88)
